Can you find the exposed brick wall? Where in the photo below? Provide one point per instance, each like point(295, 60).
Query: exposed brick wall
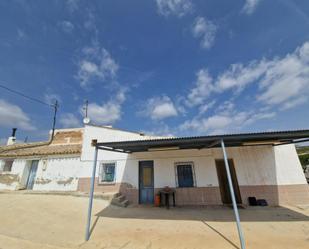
point(197, 196)
point(130, 192)
point(274, 194)
point(84, 186)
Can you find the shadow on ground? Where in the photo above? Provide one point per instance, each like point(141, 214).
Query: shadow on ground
point(205, 215)
point(224, 214)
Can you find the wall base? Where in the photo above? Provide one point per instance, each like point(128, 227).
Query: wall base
point(275, 195)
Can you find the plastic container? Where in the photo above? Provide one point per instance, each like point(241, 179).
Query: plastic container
point(157, 200)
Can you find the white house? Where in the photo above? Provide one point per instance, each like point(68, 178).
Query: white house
point(263, 165)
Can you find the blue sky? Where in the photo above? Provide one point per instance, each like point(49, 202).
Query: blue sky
point(163, 67)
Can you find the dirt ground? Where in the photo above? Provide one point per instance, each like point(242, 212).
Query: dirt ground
point(54, 222)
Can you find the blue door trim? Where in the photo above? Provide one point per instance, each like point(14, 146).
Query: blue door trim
point(149, 191)
point(32, 174)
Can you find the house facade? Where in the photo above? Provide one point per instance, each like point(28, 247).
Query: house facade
point(264, 171)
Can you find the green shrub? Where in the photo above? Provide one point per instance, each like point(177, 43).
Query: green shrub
point(304, 160)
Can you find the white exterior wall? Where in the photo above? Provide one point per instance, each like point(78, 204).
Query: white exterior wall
point(289, 169)
point(58, 174)
point(16, 171)
point(124, 172)
point(254, 165)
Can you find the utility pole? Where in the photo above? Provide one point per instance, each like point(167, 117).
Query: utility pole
point(86, 108)
point(54, 121)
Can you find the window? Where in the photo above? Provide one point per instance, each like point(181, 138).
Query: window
point(185, 175)
point(107, 172)
point(7, 167)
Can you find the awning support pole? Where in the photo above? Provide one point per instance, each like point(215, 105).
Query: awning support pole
point(227, 168)
point(91, 194)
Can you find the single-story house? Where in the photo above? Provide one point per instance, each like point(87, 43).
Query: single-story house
point(264, 165)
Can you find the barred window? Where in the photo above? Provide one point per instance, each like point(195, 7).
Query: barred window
point(107, 172)
point(185, 175)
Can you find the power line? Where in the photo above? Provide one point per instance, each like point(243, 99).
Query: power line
point(55, 106)
point(25, 96)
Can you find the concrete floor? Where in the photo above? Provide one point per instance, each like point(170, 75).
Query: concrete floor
point(54, 222)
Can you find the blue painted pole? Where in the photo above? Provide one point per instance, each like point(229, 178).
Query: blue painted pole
point(227, 168)
point(91, 194)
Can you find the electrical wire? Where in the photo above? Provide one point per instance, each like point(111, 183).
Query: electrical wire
point(25, 96)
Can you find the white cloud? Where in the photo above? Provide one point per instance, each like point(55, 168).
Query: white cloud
point(69, 120)
point(204, 30)
point(106, 113)
point(239, 76)
point(96, 63)
point(293, 103)
point(66, 26)
point(203, 86)
point(13, 116)
point(161, 129)
point(159, 108)
point(51, 98)
point(205, 107)
point(279, 80)
point(226, 107)
point(174, 7)
point(250, 6)
point(224, 122)
point(90, 22)
point(72, 5)
point(21, 35)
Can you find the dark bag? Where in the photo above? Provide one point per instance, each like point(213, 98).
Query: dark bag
point(252, 201)
point(262, 202)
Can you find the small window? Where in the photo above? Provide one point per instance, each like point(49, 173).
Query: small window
point(107, 172)
point(185, 175)
point(7, 166)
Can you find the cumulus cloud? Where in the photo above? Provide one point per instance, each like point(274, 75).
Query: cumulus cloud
point(161, 129)
point(13, 116)
point(225, 122)
point(174, 7)
point(204, 30)
point(66, 26)
point(69, 120)
point(203, 86)
point(159, 108)
point(96, 63)
point(250, 6)
point(108, 112)
point(279, 80)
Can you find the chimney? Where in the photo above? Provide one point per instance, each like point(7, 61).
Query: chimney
point(12, 138)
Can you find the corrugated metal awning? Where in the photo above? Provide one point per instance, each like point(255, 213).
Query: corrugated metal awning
point(200, 142)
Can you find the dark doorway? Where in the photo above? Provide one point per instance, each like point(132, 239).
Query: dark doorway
point(146, 182)
point(32, 174)
point(223, 182)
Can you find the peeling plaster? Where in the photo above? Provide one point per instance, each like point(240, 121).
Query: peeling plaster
point(8, 179)
point(42, 181)
point(65, 181)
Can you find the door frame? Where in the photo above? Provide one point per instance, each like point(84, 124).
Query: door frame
point(139, 179)
point(29, 173)
point(225, 190)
